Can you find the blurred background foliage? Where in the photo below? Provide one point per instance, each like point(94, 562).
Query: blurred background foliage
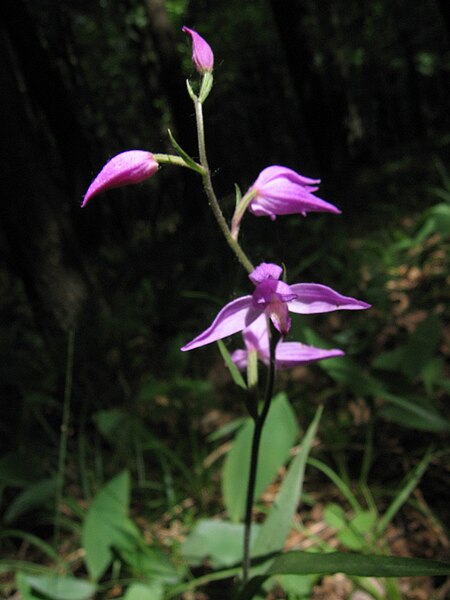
point(355, 93)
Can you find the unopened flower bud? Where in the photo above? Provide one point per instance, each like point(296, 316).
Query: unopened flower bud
point(127, 168)
point(202, 55)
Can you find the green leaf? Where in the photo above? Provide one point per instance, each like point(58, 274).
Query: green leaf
point(438, 218)
point(351, 539)
point(421, 346)
point(106, 525)
point(18, 469)
point(361, 565)
point(207, 83)
point(276, 527)
point(432, 374)
point(334, 516)
point(32, 540)
point(185, 156)
point(338, 482)
point(149, 562)
point(278, 436)
point(412, 413)
point(144, 591)
point(344, 370)
point(296, 586)
point(219, 541)
point(364, 521)
point(24, 588)
point(402, 496)
point(234, 371)
point(61, 588)
point(225, 430)
point(411, 358)
point(238, 193)
point(34, 496)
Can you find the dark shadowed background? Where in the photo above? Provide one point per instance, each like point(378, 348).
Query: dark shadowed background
point(353, 92)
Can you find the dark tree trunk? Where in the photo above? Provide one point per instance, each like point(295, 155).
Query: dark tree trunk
point(323, 108)
point(45, 88)
point(415, 124)
point(35, 224)
point(444, 7)
point(172, 78)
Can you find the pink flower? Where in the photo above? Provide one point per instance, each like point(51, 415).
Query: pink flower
point(287, 354)
point(282, 191)
point(202, 55)
point(274, 299)
point(126, 168)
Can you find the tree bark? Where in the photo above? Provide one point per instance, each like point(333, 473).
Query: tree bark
point(35, 223)
point(172, 78)
point(322, 107)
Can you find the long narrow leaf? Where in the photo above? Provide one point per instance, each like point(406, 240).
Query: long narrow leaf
point(185, 156)
point(234, 371)
point(276, 527)
point(339, 483)
point(33, 540)
point(361, 565)
point(404, 494)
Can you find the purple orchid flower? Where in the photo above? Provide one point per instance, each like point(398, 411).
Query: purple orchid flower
point(202, 55)
point(275, 299)
point(130, 167)
point(287, 354)
point(282, 191)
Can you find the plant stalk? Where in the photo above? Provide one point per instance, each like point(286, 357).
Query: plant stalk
point(64, 433)
point(259, 421)
point(209, 190)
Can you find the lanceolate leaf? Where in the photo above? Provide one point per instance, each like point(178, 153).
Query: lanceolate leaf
point(234, 372)
point(276, 527)
point(360, 565)
point(279, 433)
point(107, 524)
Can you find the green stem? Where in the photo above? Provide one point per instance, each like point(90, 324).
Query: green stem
point(64, 432)
point(209, 190)
point(171, 159)
point(259, 421)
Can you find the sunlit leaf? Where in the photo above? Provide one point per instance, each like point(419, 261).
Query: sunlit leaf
point(61, 588)
point(144, 591)
point(106, 525)
point(219, 541)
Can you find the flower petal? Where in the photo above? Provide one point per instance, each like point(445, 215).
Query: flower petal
point(316, 298)
point(256, 335)
point(281, 191)
point(272, 290)
point(239, 357)
point(233, 317)
point(276, 171)
point(292, 354)
point(265, 271)
point(130, 167)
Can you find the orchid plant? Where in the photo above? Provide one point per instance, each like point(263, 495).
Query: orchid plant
point(263, 315)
